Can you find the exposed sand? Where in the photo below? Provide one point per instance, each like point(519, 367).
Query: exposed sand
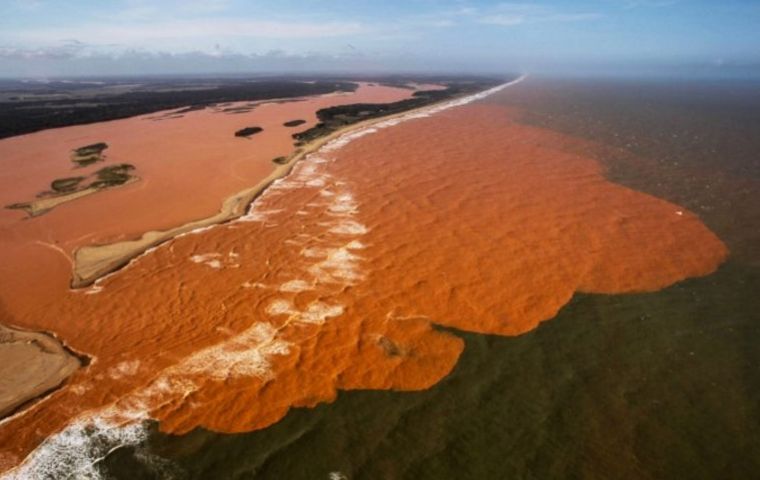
point(336, 278)
point(31, 364)
point(43, 205)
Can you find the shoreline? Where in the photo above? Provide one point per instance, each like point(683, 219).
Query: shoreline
point(96, 261)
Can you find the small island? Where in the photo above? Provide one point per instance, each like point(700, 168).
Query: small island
point(247, 132)
point(89, 154)
point(64, 190)
point(294, 123)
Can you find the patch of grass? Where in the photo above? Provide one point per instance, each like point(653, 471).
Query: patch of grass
point(89, 154)
point(113, 175)
point(93, 149)
point(280, 160)
point(85, 161)
point(248, 131)
point(66, 185)
point(294, 123)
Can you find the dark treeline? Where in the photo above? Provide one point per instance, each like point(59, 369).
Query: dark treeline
point(333, 118)
point(27, 115)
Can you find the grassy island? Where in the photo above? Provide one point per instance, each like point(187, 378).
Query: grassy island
point(248, 132)
point(89, 154)
point(294, 123)
point(64, 190)
point(66, 185)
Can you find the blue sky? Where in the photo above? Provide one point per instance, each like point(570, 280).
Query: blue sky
point(89, 37)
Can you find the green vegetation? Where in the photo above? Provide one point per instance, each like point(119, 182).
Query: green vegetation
point(57, 104)
point(294, 123)
point(113, 175)
point(65, 189)
point(334, 118)
point(66, 185)
point(89, 154)
point(248, 131)
point(93, 149)
point(280, 160)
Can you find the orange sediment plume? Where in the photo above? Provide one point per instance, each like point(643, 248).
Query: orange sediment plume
point(336, 277)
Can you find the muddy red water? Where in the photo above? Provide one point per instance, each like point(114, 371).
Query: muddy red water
point(335, 279)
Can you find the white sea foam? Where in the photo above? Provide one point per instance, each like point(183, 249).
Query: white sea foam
point(76, 451)
point(316, 182)
point(349, 227)
point(295, 286)
point(245, 354)
point(124, 369)
point(280, 307)
point(315, 313)
point(208, 259)
point(355, 245)
point(216, 260)
point(95, 288)
point(257, 215)
point(339, 266)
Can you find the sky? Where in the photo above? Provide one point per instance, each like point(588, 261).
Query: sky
point(47, 38)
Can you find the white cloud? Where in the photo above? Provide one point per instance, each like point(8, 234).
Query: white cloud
point(512, 14)
point(148, 9)
point(146, 34)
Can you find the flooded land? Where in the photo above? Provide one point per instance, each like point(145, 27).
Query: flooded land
point(544, 279)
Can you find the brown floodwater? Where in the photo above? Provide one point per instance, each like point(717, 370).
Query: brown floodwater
point(338, 275)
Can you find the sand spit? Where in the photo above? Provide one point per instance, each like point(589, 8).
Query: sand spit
point(477, 222)
point(93, 261)
point(45, 204)
point(31, 364)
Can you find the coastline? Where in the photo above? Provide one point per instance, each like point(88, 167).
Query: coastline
point(94, 262)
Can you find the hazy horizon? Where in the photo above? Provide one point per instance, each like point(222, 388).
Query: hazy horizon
point(41, 38)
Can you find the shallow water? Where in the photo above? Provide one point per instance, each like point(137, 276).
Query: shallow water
point(464, 219)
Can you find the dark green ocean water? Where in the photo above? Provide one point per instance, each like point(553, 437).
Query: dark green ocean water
point(661, 385)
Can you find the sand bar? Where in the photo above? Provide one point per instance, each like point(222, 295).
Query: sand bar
point(31, 364)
